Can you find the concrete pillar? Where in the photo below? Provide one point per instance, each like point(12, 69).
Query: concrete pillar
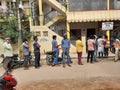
point(41, 13)
point(108, 8)
point(68, 29)
point(83, 38)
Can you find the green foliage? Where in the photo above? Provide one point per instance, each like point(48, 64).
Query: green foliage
point(10, 27)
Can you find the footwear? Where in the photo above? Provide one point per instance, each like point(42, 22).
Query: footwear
point(26, 68)
point(80, 64)
point(63, 65)
point(53, 65)
point(96, 61)
point(37, 67)
point(71, 61)
point(69, 65)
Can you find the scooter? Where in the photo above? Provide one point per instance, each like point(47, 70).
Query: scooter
point(7, 81)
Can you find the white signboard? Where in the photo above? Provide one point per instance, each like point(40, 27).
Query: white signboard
point(107, 25)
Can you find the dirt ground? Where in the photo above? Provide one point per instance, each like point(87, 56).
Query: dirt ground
point(73, 85)
point(104, 75)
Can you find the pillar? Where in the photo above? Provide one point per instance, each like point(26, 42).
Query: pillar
point(67, 23)
point(41, 13)
point(68, 29)
point(83, 38)
point(108, 8)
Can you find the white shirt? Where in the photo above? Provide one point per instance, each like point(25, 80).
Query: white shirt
point(8, 51)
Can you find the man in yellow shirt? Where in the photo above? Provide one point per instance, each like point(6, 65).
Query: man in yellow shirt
point(79, 49)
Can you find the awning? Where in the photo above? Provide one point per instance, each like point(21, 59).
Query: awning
point(88, 16)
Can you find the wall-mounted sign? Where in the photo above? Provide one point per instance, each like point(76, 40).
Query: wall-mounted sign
point(107, 25)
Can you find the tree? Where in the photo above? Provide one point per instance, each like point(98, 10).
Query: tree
point(10, 25)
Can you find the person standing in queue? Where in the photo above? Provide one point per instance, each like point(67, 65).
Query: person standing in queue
point(65, 44)
point(36, 52)
point(90, 43)
point(25, 50)
point(55, 49)
point(8, 53)
point(79, 49)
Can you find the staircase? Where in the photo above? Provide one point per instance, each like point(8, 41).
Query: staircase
point(45, 41)
point(57, 6)
point(54, 20)
point(45, 37)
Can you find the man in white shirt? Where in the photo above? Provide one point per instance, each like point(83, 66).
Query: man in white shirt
point(8, 53)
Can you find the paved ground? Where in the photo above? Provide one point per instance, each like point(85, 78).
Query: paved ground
point(106, 72)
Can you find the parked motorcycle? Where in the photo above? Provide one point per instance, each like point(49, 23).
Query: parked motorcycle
point(50, 58)
point(7, 81)
point(16, 62)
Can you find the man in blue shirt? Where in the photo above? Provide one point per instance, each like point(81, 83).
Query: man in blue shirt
point(25, 49)
point(65, 44)
point(55, 49)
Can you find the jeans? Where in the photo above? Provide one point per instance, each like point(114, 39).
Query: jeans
point(90, 53)
point(56, 56)
point(65, 53)
point(26, 60)
point(95, 54)
point(37, 59)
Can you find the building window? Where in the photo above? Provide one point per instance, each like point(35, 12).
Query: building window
point(45, 33)
point(10, 5)
point(38, 34)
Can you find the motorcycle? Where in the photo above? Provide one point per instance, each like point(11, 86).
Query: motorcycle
point(14, 62)
point(50, 58)
point(7, 81)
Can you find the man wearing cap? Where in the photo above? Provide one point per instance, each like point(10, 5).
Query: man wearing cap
point(8, 53)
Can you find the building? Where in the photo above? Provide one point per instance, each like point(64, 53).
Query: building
point(9, 4)
point(74, 17)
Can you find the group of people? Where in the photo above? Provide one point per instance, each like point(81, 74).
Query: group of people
point(65, 45)
point(99, 47)
point(26, 53)
point(96, 47)
point(8, 53)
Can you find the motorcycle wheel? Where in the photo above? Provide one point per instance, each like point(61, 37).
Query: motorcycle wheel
point(49, 59)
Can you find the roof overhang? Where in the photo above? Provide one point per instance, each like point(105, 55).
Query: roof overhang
point(89, 16)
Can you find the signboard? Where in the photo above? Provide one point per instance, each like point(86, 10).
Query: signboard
point(107, 25)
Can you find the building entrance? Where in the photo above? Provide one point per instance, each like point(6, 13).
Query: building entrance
point(91, 32)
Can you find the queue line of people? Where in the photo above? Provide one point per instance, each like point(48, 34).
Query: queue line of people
point(96, 47)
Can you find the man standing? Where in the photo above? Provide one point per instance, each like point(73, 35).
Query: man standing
point(79, 48)
point(25, 49)
point(55, 49)
point(36, 52)
point(8, 53)
point(65, 44)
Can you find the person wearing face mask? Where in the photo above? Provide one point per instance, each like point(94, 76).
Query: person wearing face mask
point(8, 54)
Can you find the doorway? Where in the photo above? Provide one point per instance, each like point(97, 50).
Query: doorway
point(90, 32)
